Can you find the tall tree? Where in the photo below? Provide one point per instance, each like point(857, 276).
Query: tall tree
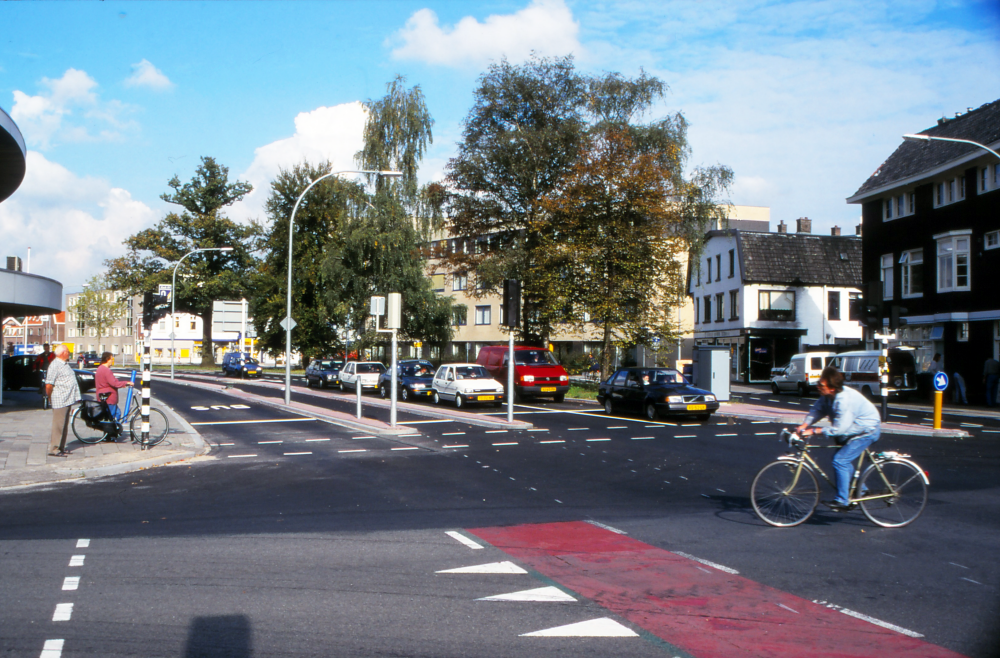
point(318, 228)
point(206, 276)
point(98, 306)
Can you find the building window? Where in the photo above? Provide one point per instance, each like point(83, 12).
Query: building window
point(459, 282)
point(949, 191)
point(718, 306)
point(734, 304)
point(992, 240)
point(709, 259)
point(776, 305)
point(437, 282)
point(911, 273)
point(459, 318)
point(855, 300)
point(887, 276)
point(833, 305)
point(698, 274)
point(697, 309)
point(708, 309)
point(483, 315)
point(953, 263)
point(718, 267)
point(963, 332)
point(732, 263)
point(898, 206)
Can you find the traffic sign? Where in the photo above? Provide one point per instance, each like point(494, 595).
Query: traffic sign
point(940, 381)
point(288, 324)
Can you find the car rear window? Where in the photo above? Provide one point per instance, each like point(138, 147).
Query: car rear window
point(370, 367)
point(471, 372)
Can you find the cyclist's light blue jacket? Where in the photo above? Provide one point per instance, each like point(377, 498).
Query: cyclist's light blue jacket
point(849, 412)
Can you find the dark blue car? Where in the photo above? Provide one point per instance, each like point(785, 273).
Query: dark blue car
point(655, 392)
point(414, 379)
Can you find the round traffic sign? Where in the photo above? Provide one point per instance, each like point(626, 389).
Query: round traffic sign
point(940, 381)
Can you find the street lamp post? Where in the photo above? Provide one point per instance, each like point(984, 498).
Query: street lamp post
point(287, 323)
point(173, 300)
point(927, 138)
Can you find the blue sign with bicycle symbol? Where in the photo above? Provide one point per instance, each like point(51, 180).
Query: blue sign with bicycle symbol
point(940, 381)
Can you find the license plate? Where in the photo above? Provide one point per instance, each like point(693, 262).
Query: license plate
point(697, 407)
point(548, 389)
point(487, 397)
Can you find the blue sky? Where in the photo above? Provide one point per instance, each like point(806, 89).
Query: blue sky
point(803, 100)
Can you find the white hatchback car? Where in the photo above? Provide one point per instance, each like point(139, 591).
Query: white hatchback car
point(466, 383)
point(365, 371)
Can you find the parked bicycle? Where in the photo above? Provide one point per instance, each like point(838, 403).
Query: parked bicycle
point(891, 491)
point(93, 422)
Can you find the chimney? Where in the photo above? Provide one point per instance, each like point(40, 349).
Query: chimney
point(782, 227)
point(835, 230)
point(803, 225)
point(857, 229)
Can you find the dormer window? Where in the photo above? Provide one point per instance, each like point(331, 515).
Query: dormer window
point(899, 205)
point(949, 191)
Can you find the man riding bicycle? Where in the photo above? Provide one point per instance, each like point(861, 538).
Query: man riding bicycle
point(856, 424)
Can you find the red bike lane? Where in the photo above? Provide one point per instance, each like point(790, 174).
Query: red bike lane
point(704, 611)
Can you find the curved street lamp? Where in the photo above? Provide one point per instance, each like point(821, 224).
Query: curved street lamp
point(928, 138)
point(287, 323)
point(173, 301)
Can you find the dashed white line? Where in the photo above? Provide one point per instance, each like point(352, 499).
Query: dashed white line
point(452, 433)
point(727, 435)
point(577, 429)
point(71, 583)
point(358, 438)
point(898, 415)
point(355, 450)
point(558, 501)
point(592, 440)
point(407, 448)
point(976, 582)
point(618, 427)
point(463, 445)
point(759, 422)
point(955, 564)
point(226, 444)
point(239, 456)
point(496, 432)
point(507, 443)
point(82, 543)
point(870, 620)
point(642, 438)
point(970, 425)
point(462, 538)
point(315, 440)
point(64, 611)
point(290, 454)
point(706, 562)
point(76, 560)
point(686, 436)
point(554, 441)
point(762, 433)
point(539, 429)
point(52, 649)
point(261, 443)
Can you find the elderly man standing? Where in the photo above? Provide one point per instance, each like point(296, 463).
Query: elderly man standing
point(62, 391)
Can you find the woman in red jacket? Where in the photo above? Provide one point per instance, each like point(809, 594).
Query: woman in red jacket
point(106, 382)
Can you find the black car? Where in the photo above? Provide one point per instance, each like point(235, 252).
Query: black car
point(655, 392)
point(88, 360)
point(85, 379)
point(323, 372)
point(414, 380)
point(19, 372)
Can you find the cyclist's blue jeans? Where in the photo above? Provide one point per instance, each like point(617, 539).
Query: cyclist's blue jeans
point(115, 411)
point(842, 462)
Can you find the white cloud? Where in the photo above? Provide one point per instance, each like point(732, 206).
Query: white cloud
point(331, 134)
point(545, 26)
point(144, 74)
point(68, 109)
point(71, 223)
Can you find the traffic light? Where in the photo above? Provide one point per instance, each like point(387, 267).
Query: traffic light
point(895, 322)
point(511, 303)
point(871, 309)
point(154, 307)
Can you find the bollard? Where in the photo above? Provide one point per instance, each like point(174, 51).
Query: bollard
point(938, 400)
point(357, 388)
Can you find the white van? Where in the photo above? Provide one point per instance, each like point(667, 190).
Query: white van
point(862, 374)
point(801, 374)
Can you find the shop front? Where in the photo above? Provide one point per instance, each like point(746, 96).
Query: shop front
point(755, 352)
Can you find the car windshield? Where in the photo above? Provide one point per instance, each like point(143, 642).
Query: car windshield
point(662, 377)
point(471, 372)
point(250, 362)
point(535, 358)
point(370, 367)
point(328, 365)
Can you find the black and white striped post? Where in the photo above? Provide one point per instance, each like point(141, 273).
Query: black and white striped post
point(146, 378)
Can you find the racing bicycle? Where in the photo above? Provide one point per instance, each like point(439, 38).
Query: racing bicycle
point(891, 491)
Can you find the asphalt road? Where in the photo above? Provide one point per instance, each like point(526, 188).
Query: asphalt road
point(298, 537)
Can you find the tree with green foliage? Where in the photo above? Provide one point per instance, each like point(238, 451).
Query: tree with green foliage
point(319, 222)
point(98, 306)
point(204, 277)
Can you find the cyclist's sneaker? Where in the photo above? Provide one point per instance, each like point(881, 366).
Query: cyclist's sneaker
point(837, 506)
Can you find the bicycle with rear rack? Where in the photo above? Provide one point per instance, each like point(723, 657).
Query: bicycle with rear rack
point(891, 491)
point(93, 422)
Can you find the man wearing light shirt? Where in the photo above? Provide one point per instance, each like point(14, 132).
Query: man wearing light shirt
point(855, 424)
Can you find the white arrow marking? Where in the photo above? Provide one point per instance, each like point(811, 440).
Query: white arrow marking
point(543, 594)
point(492, 567)
point(603, 627)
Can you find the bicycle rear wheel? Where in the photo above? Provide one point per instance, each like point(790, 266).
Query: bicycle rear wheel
point(780, 499)
point(82, 432)
point(158, 427)
point(905, 491)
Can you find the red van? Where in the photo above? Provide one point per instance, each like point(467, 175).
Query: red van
point(536, 371)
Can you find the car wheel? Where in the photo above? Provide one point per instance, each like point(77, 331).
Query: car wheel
point(404, 394)
point(382, 392)
point(459, 401)
point(437, 398)
point(560, 397)
point(608, 407)
point(651, 411)
point(775, 389)
point(342, 389)
point(309, 383)
point(322, 383)
point(803, 391)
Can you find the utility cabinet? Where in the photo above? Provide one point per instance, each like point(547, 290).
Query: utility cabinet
point(711, 370)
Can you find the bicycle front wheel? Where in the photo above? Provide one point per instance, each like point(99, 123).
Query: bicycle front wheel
point(158, 427)
point(83, 433)
point(902, 494)
point(783, 494)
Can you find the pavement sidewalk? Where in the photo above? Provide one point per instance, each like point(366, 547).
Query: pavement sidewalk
point(25, 429)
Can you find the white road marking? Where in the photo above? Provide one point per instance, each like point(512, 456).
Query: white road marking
point(782, 605)
point(539, 430)
point(722, 490)
point(291, 454)
point(407, 448)
point(606, 527)
point(898, 415)
point(548, 594)
point(462, 538)
point(970, 425)
point(71, 583)
point(707, 563)
point(727, 435)
point(552, 442)
point(592, 440)
point(238, 456)
point(464, 445)
point(577, 429)
point(992, 431)
point(247, 422)
point(682, 477)
point(358, 438)
point(870, 620)
point(889, 555)
point(762, 433)
point(642, 438)
point(759, 422)
point(686, 436)
point(492, 567)
point(76, 560)
point(63, 612)
point(603, 627)
point(315, 440)
point(82, 543)
point(618, 427)
point(955, 564)
point(976, 582)
point(225, 444)
point(355, 450)
point(239, 406)
point(260, 443)
point(52, 649)
point(452, 433)
point(495, 432)
point(508, 443)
